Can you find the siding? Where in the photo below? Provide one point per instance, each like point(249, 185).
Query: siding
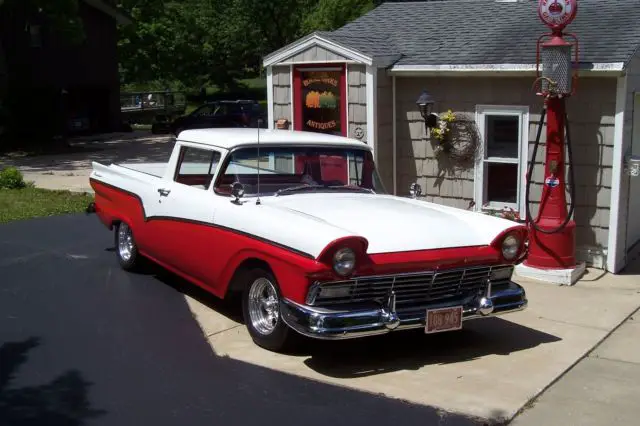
point(591, 114)
point(384, 136)
point(315, 54)
point(88, 70)
point(357, 99)
point(282, 94)
point(628, 212)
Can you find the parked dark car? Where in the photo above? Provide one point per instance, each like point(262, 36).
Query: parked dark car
point(238, 113)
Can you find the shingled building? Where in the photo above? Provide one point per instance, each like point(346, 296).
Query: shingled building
point(477, 58)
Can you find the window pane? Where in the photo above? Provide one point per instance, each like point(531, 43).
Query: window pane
point(199, 161)
point(197, 167)
point(355, 170)
point(204, 111)
point(284, 167)
point(502, 136)
point(502, 183)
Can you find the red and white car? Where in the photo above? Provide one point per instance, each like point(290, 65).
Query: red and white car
point(300, 224)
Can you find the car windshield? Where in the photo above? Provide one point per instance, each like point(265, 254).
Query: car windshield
point(293, 170)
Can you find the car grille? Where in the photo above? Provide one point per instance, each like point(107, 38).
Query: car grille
point(414, 289)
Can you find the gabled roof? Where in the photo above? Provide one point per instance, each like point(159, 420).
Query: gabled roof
point(486, 33)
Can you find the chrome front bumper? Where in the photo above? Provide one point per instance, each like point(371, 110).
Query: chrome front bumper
point(332, 324)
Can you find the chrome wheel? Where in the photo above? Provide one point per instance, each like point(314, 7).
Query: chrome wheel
point(264, 307)
point(125, 242)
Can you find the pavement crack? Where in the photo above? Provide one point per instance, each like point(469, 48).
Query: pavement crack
point(222, 331)
point(591, 327)
point(613, 360)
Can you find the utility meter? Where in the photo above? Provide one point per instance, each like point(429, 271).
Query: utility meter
point(633, 165)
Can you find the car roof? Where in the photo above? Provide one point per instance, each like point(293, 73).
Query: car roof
point(234, 137)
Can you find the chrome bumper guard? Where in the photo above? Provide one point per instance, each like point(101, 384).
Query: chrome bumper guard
point(348, 323)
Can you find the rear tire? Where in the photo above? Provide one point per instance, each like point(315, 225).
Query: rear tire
point(261, 311)
point(126, 248)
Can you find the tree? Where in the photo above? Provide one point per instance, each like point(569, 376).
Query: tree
point(329, 15)
point(190, 41)
point(61, 16)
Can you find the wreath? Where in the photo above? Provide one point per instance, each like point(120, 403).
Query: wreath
point(457, 139)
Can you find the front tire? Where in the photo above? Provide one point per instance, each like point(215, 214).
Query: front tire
point(126, 247)
point(261, 311)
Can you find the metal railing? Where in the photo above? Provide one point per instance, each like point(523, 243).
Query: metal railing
point(170, 102)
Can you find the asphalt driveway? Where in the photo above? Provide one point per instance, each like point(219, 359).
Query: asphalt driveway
point(82, 342)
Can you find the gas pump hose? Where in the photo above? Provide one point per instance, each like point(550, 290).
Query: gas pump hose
point(530, 173)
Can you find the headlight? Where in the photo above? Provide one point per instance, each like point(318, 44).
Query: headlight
point(510, 247)
point(344, 261)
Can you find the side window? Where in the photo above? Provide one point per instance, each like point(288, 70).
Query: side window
point(196, 166)
point(203, 111)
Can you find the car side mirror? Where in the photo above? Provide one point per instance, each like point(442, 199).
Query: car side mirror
point(237, 191)
point(415, 190)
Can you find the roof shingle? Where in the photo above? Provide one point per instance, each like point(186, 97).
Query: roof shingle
point(473, 32)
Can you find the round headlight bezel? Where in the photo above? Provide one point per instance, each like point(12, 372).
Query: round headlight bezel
point(344, 261)
point(511, 245)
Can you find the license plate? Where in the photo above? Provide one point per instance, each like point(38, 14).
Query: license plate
point(444, 319)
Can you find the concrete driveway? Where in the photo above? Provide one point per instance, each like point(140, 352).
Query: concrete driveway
point(71, 171)
point(83, 339)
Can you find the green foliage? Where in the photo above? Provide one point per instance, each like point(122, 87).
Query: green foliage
point(204, 43)
point(32, 202)
point(187, 41)
point(329, 15)
point(11, 178)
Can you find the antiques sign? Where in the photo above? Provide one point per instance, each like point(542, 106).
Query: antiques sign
point(321, 101)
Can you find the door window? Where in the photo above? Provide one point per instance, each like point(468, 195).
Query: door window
point(197, 166)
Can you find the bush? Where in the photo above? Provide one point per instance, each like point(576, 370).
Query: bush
point(11, 178)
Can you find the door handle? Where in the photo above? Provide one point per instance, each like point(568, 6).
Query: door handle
point(163, 192)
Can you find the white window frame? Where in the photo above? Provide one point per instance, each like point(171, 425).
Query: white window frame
point(522, 112)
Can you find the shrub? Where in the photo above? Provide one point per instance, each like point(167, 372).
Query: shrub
point(11, 178)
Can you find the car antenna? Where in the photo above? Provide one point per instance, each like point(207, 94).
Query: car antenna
point(259, 123)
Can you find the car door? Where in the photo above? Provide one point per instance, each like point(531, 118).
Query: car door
point(184, 213)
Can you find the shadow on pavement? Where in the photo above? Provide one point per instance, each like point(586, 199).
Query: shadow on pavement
point(62, 402)
point(136, 341)
point(406, 350)
point(412, 349)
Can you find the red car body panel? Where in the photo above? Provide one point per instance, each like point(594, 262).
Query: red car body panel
point(209, 255)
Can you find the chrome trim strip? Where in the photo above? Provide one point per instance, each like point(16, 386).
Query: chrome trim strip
point(425, 272)
point(336, 324)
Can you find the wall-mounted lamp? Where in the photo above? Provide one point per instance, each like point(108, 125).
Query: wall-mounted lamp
point(425, 103)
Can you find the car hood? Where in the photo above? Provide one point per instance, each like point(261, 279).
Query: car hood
point(393, 224)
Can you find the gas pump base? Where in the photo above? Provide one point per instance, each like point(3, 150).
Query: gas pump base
point(553, 276)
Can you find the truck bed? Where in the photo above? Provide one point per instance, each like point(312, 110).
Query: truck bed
point(154, 169)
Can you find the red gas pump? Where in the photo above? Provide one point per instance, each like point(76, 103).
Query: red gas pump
point(552, 242)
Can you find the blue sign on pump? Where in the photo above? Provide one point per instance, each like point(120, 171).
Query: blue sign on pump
point(552, 181)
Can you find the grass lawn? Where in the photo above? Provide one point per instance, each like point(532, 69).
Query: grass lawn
point(27, 203)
